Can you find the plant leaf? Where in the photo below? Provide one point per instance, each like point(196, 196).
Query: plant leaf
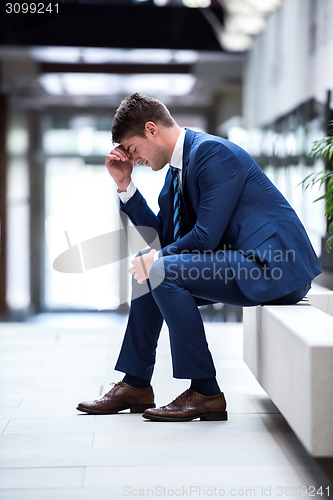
point(328, 244)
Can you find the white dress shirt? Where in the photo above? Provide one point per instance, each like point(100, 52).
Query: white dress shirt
point(177, 156)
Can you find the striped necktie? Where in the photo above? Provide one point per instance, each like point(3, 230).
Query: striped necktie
point(176, 204)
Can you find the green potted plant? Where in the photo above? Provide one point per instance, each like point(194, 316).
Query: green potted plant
point(323, 149)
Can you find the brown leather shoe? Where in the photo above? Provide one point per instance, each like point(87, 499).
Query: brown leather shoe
point(190, 405)
point(121, 397)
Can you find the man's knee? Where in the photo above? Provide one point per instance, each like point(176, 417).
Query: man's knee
point(157, 273)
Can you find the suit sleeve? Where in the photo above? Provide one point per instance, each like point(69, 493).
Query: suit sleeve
point(143, 218)
point(221, 179)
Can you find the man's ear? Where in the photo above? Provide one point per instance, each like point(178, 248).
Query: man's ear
point(151, 129)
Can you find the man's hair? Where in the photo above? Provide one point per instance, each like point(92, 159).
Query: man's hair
point(134, 112)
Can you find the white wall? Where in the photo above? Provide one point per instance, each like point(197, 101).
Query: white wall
point(290, 62)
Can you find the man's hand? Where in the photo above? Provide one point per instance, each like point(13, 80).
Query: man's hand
point(120, 166)
point(141, 266)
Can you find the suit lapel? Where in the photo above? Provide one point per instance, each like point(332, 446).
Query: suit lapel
point(189, 137)
point(166, 195)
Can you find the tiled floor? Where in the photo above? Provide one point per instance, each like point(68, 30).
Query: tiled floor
point(49, 451)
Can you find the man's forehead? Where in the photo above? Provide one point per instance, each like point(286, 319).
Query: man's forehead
point(129, 142)
point(126, 143)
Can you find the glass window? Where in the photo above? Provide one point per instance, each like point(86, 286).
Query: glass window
point(18, 215)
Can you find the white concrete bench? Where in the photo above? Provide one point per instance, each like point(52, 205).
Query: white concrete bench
point(289, 349)
point(322, 298)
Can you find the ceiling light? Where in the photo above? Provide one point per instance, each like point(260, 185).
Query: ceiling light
point(244, 18)
point(196, 3)
point(56, 54)
point(139, 56)
point(127, 56)
point(52, 84)
point(264, 5)
point(90, 84)
point(248, 6)
point(109, 55)
point(101, 56)
point(173, 84)
point(185, 56)
point(80, 84)
point(235, 42)
point(237, 7)
point(87, 84)
point(251, 24)
point(150, 56)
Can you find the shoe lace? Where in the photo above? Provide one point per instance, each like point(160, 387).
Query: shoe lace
point(181, 397)
point(113, 385)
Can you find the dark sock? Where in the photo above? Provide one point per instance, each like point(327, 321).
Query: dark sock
point(136, 382)
point(205, 386)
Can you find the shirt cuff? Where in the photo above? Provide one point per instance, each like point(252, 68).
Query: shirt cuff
point(126, 195)
point(156, 256)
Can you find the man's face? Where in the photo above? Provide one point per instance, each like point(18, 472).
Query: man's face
point(149, 151)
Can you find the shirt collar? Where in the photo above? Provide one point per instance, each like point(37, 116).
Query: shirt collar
point(177, 155)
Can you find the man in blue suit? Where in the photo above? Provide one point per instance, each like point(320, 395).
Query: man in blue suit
point(227, 235)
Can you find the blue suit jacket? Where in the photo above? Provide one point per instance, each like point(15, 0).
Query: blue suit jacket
point(230, 204)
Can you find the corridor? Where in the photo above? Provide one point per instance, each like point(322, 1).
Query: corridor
point(48, 450)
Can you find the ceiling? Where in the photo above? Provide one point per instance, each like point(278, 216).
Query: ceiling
point(26, 78)
point(94, 54)
point(106, 24)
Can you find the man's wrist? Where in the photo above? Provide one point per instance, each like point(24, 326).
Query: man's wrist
point(125, 196)
point(122, 186)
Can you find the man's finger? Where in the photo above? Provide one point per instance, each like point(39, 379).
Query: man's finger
point(143, 265)
point(123, 154)
point(114, 155)
point(112, 158)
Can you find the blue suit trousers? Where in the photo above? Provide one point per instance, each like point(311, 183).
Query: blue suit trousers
point(176, 285)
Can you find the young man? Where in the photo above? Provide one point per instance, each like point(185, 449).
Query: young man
point(227, 235)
